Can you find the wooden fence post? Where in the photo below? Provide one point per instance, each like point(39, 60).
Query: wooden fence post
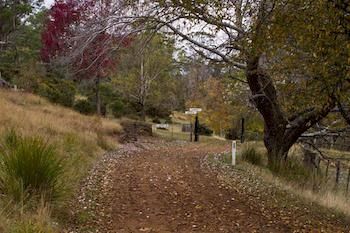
point(191, 137)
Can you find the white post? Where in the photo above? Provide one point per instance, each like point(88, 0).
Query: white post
point(234, 149)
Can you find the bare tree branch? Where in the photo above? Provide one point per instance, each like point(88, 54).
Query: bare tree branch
point(212, 50)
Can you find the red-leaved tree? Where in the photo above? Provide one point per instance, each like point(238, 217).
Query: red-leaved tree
point(72, 38)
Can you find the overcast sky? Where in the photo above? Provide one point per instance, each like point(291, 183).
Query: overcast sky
point(48, 2)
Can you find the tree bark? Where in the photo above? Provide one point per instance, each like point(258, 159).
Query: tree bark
point(345, 114)
point(143, 112)
point(143, 89)
point(98, 96)
point(265, 99)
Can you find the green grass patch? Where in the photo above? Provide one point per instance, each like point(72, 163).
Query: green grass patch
point(29, 167)
point(251, 155)
point(293, 170)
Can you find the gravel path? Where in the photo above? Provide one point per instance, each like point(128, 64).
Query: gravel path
point(163, 187)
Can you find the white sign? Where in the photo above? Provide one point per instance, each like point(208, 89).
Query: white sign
point(195, 110)
point(190, 113)
point(162, 126)
point(234, 150)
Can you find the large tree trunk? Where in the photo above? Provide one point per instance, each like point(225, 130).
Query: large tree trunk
point(277, 150)
point(265, 99)
point(280, 132)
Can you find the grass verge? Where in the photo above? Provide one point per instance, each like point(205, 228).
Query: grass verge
point(294, 178)
point(51, 135)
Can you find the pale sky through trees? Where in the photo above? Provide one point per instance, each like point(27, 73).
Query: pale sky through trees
point(48, 2)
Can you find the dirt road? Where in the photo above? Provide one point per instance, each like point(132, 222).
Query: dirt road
point(170, 190)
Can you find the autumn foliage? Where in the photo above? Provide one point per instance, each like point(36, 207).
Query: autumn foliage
point(66, 36)
point(60, 17)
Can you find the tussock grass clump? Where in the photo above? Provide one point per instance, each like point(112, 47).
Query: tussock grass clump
point(251, 155)
point(29, 167)
point(293, 170)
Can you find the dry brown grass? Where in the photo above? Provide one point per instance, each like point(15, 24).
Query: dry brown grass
point(38, 221)
point(33, 115)
point(326, 196)
point(79, 139)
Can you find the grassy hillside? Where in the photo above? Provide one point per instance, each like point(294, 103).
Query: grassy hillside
point(78, 140)
point(34, 115)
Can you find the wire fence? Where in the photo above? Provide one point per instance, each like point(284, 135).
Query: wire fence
point(333, 173)
point(332, 166)
point(337, 143)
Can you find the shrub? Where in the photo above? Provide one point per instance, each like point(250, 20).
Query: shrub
point(118, 108)
point(134, 129)
point(29, 76)
point(252, 156)
point(168, 119)
point(29, 167)
point(205, 130)
point(84, 106)
point(156, 120)
point(157, 111)
point(58, 91)
point(232, 134)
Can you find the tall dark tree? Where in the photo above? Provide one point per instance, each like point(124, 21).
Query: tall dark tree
point(12, 13)
point(17, 25)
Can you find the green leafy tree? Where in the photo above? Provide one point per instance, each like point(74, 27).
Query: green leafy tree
point(20, 35)
point(146, 75)
point(12, 13)
point(298, 72)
